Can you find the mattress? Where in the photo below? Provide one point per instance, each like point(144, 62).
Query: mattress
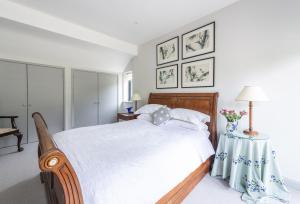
point(132, 162)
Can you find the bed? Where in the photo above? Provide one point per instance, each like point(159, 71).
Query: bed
point(70, 166)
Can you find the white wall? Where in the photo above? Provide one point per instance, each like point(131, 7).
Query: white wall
point(27, 44)
point(257, 43)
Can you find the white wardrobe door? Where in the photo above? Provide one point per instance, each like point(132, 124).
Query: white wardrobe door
point(85, 98)
point(108, 98)
point(45, 95)
point(13, 99)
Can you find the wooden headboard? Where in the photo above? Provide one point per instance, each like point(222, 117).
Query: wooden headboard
point(203, 102)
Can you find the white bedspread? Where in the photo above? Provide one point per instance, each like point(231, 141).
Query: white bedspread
point(133, 162)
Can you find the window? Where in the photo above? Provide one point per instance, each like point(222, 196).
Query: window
point(127, 86)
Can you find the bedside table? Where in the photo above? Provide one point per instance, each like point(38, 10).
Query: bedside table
point(250, 165)
point(127, 116)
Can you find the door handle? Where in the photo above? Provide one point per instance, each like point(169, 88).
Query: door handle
point(29, 105)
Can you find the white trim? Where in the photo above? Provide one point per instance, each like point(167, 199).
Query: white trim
point(25, 15)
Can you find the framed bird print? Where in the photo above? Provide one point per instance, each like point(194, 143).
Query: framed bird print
point(199, 41)
point(199, 73)
point(167, 77)
point(167, 51)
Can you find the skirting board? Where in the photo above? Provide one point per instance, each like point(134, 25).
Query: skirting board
point(292, 183)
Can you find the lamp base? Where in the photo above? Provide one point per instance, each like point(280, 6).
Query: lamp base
point(251, 133)
point(135, 105)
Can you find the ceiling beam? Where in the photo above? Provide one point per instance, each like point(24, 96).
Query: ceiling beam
point(25, 15)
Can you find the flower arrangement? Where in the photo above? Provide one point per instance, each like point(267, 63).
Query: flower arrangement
point(232, 118)
point(231, 115)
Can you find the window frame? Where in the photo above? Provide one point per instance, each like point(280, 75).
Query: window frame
point(127, 82)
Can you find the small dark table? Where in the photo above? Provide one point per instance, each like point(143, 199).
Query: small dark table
point(127, 116)
point(12, 131)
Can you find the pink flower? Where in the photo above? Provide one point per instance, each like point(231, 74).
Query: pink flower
point(242, 113)
point(232, 115)
point(223, 111)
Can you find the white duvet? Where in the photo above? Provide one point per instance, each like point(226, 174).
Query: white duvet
point(133, 162)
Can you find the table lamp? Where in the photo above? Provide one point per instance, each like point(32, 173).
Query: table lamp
point(251, 94)
point(136, 97)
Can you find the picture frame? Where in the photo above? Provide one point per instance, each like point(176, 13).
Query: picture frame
point(167, 77)
point(199, 41)
point(198, 73)
point(167, 51)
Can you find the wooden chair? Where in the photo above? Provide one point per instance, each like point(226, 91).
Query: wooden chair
point(12, 131)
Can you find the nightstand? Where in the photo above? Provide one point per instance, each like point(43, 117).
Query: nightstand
point(250, 165)
point(127, 116)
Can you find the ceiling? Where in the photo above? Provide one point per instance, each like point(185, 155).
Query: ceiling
point(30, 44)
point(133, 21)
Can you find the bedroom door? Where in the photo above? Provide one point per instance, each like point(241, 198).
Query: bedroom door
point(108, 98)
point(13, 99)
point(85, 98)
point(45, 95)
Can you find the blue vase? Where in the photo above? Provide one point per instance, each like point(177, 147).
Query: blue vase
point(129, 110)
point(232, 126)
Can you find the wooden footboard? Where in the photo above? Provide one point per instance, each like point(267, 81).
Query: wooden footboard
point(57, 173)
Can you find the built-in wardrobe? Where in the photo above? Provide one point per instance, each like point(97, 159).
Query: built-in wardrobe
point(94, 98)
point(27, 88)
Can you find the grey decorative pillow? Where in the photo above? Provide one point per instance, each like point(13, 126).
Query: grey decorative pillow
point(161, 115)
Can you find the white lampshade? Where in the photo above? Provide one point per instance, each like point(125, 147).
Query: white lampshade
point(136, 97)
point(252, 93)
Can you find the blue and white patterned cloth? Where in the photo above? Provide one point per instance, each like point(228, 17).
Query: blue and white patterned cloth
point(251, 167)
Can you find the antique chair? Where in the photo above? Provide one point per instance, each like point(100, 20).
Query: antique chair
point(12, 131)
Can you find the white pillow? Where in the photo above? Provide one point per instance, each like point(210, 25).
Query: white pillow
point(183, 124)
point(148, 109)
point(145, 116)
point(188, 115)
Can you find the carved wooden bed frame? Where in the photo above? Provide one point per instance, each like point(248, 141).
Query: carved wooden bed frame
point(61, 182)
